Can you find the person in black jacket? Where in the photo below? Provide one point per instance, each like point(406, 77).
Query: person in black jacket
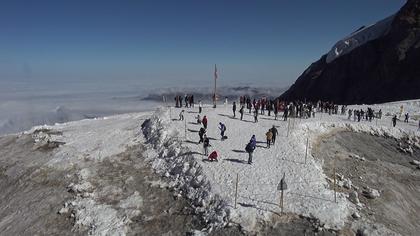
point(201, 134)
point(206, 144)
point(242, 112)
point(275, 133)
point(234, 109)
point(250, 147)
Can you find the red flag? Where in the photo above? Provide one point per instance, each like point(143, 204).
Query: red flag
point(215, 71)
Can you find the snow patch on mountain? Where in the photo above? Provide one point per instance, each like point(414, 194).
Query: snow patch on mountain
point(359, 37)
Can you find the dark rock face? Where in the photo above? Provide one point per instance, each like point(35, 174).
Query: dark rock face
point(382, 70)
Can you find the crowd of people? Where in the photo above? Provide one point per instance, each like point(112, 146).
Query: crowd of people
point(188, 100)
point(265, 106)
point(367, 115)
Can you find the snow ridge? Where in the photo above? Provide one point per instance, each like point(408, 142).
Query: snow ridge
point(185, 175)
point(358, 38)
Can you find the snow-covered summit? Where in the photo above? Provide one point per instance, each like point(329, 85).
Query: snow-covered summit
point(359, 37)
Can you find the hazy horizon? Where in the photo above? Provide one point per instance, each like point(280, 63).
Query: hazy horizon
point(65, 60)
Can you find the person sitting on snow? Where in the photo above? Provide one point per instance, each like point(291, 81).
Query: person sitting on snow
point(198, 119)
point(213, 156)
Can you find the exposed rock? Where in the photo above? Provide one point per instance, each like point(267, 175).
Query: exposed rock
point(358, 157)
point(380, 70)
point(63, 210)
point(371, 193)
point(354, 197)
point(356, 215)
point(347, 183)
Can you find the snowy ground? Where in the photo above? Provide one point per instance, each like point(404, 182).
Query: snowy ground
point(308, 191)
point(99, 157)
point(82, 149)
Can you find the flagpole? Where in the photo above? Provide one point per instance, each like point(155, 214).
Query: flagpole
point(215, 78)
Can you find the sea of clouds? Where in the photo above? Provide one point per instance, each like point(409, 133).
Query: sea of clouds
point(22, 107)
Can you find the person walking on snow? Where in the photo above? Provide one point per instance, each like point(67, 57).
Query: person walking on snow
point(242, 112)
point(250, 147)
point(406, 118)
point(394, 120)
point(206, 144)
point(253, 140)
point(222, 128)
point(181, 115)
point(234, 109)
point(201, 134)
point(204, 121)
point(285, 113)
point(275, 133)
point(269, 137)
point(200, 107)
point(256, 115)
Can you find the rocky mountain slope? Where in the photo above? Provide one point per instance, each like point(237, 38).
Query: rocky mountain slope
point(375, 64)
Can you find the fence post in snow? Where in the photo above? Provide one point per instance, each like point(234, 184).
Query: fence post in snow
point(306, 151)
point(236, 188)
point(185, 128)
point(335, 181)
point(282, 186)
point(288, 124)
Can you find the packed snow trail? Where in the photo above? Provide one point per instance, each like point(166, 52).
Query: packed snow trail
point(308, 191)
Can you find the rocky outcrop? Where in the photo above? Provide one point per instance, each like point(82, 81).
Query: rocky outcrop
point(382, 69)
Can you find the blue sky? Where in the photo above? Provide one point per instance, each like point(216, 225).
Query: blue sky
point(142, 44)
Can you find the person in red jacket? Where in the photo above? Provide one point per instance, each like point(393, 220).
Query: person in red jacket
point(213, 156)
point(204, 121)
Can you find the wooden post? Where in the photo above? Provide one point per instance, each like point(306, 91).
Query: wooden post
point(306, 151)
point(236, 188)
point(185, 128)
point(335, 181)
point(281, 200)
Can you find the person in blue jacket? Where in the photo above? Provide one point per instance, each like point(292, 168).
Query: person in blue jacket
point(250, 147)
